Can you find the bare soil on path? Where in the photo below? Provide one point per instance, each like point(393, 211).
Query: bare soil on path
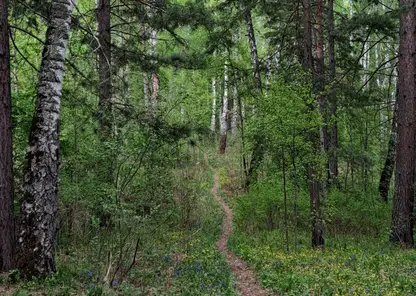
point(247, 284)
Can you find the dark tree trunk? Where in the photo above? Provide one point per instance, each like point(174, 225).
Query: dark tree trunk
point(307, 36)
point(403, 202)
point(333, 127)
point(319, 76)
point(258, 151)
point(387, 172)
point(253, 50)
point(319, 85)
point(104, 67)
point(313, 182)
point(6, 160)
point(39, 207)
point(315, 209)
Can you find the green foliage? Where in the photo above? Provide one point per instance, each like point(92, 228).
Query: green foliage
point(348, 266)
point(263, 208)
point(138, 203)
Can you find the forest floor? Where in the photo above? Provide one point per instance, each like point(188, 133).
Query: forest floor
point(246, 281)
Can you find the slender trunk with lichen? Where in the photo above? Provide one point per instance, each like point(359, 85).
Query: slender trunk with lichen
point(224, 114)
point(154, 73)
point(39, 207)
point(234, 112)
point(214, 105)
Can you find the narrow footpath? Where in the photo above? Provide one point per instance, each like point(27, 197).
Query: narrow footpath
point(247, 284)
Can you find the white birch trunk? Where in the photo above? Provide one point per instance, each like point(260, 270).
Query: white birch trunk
point(154, 75)
point(214, 104)
point(224, 113)
point(39, 208)
point(234, 118)
point(146, 88)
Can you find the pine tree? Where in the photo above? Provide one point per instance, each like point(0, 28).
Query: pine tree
point(6, 162)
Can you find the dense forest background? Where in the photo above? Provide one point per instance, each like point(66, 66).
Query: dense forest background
point(127, 110)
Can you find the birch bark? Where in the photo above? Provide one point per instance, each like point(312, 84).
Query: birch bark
point(224, 113)
point(214, 105)
point(39, 207)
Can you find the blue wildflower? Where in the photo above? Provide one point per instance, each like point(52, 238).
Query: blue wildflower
point(198, 266)
point(348, 262)
point(88, 273)
point(114, 284)
point(91, 286)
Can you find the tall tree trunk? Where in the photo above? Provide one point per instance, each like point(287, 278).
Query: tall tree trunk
point(234, 115)
point(258, 151)
point(253, 50)
point(224, 113)
point(104, 65)
point(319, 84)
point(6, 159)
point(214, 105)
point(313, 182)
point(387, 172)
point(403, 202)
point(146, 87)
point(154, 74)
point(39, 207)
point(333, 127)
point(307, 36)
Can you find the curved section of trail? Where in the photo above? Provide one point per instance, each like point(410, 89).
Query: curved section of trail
point(246, 280)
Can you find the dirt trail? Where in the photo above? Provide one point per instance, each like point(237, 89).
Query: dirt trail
point(246, 280)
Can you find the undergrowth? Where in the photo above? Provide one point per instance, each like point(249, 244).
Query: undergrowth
point(176, 253)
point(357, 259)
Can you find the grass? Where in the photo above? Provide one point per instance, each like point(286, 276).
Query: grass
point(347, 266)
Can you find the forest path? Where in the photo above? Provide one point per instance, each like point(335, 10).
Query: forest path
point(247, 284)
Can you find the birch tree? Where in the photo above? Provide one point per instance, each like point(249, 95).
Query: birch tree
point(214, 105)
point(224, 113)
point(154, 74)
point(234, 112)
point(39, 207)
